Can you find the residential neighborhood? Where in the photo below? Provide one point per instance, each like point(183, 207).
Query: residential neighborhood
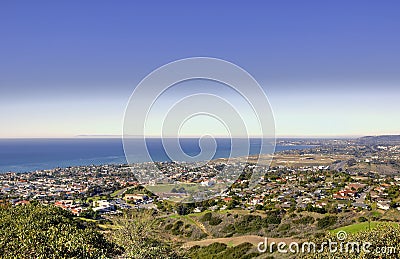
point(332, 175)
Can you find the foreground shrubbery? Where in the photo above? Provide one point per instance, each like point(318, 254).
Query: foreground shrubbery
point(327, 221)
point(384, 240)
point(36, 231)
point(253, 223)
point(221, 251)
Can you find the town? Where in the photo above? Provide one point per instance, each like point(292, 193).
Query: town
point(329, 176)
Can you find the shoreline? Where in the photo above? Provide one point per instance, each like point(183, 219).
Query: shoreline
point(117, 159)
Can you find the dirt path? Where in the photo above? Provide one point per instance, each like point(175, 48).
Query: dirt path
point(199, 225)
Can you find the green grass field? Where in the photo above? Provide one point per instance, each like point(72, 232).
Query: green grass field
point(168, 187)
point(357, 227)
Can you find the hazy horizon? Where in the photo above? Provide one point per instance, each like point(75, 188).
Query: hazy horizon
point(153, 136)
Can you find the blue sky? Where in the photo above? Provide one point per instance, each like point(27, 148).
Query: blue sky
point(329, 68)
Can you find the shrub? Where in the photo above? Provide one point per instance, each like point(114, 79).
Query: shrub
point(207, 252)
point(249, 223)
point(284, 227)
point(362, 219)
point(215, 221)
point(176, 229)
point(139, 234)
point(327, 221)
point(168, 226)
point(206, 217)
point(237, 251)
point(229, 228)
point(36, 231)
point(304, 220)
point(273, 217)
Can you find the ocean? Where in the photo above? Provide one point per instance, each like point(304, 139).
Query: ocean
point(25, 155)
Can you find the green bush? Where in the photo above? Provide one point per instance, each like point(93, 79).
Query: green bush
point(214, 221)
point(273, 217)
point(207, 252)
point(304, 220)
point(362, 219)
point(237, 251)
point(249, 223)
point(206, 217)
point(176, 229)
point(327, 221)
point(229, 228)
point(220, 251)
point(36, 231)
point(284, 227)
point(168, 226)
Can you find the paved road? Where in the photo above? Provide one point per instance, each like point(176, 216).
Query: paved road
point(339, 165)
point(363, 195)
point(120, 192)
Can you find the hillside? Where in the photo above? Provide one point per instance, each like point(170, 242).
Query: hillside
point(382, 139)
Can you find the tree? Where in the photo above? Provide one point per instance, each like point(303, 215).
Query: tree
point(139, 234)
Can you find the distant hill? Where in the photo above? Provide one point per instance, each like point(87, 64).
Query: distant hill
point(382, 139)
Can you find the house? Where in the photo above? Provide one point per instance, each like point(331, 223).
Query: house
point(320, 205)
point(286, 205)
point(344, 194)
point(197, 210)
point(23, 202)
point(207, 183)
point(103, 206)
point(355, 186)
point(223, 207)
point(340, 207)
point(383, 205)
point(360, 205)
point(227, 199)
point(76, 211)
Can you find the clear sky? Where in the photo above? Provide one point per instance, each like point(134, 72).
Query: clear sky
point(329, 68)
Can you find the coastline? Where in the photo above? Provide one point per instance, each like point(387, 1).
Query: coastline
point(118, 158)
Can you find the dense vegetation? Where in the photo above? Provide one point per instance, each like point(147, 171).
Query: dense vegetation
point(327, 221)
point(221, 251)
point(253, 223)
point(37, 231)
point(213, 221)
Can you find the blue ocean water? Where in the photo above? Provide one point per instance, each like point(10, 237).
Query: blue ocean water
point(24, 155)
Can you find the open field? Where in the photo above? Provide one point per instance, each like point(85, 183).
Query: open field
point(292, 160)
point(307, 160)
point(167, 188)
point(357, 227)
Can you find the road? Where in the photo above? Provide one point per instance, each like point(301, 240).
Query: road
point(363, 195)
point(339, 165)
